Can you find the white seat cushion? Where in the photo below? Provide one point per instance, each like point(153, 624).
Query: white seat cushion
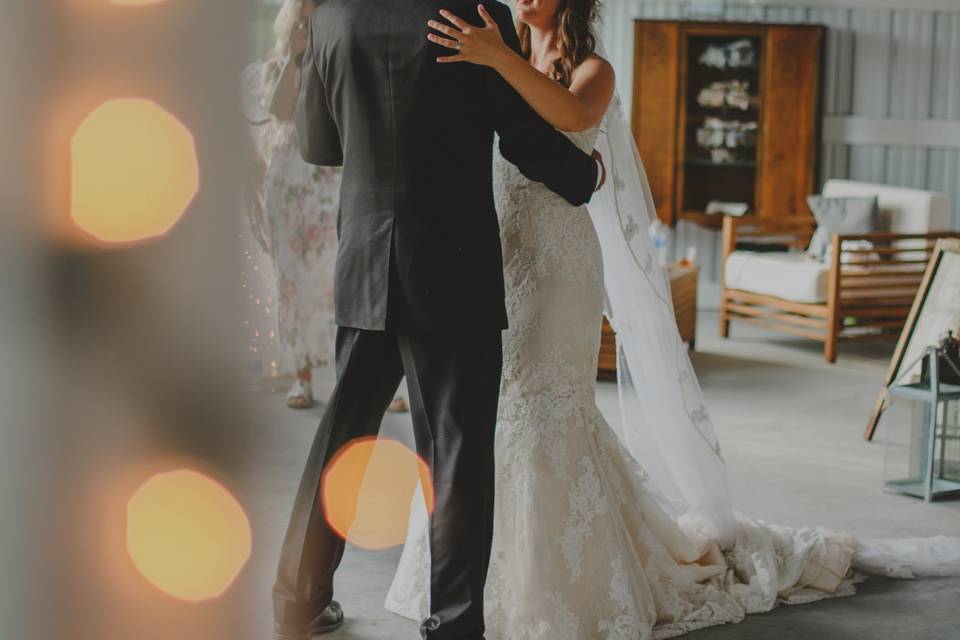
point(790, 276)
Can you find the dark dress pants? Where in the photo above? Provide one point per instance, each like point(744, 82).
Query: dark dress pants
point(454, 383)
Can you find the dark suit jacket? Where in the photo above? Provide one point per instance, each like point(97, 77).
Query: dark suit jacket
point(419, 239)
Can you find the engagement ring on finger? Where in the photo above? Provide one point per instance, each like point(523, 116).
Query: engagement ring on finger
point(456, 45)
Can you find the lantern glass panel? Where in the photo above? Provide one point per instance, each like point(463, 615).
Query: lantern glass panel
point(911, 461)
point(948, 463)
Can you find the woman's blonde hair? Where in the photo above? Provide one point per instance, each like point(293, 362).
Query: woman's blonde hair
point(288, 16)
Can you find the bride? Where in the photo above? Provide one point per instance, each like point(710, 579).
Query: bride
point(621, 535)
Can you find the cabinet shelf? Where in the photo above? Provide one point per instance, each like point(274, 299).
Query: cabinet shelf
point(702, 162)
point(698, 113)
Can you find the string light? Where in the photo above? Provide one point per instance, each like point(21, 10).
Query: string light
point(263, 345)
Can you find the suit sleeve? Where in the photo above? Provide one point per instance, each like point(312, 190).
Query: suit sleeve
point(539, 151)
point(317, 132)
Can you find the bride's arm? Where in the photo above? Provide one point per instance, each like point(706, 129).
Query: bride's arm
point(283, 103)
point(580, 107)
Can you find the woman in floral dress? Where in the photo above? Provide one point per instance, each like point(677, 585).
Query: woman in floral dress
point(300, 211)
point(300, 203)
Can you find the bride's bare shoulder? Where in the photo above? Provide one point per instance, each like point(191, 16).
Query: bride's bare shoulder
point(595, 68)
point(594, 76)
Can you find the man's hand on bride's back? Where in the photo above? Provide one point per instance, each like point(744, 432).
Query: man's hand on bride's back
point(603, 169)
point(477, 45)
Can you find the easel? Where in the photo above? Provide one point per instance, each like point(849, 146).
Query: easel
point(896, 368)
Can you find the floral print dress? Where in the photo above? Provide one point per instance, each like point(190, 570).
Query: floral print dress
point(300, 203)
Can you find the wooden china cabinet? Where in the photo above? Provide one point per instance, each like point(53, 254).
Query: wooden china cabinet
point(727, 112)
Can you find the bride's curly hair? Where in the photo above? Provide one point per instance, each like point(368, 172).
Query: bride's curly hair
point(575, 20)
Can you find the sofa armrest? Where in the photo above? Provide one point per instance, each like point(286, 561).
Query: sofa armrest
point(794, 233)
point(890, 248)
point(888, 270)
point(885, 237)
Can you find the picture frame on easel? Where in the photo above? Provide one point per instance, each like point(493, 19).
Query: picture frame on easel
point(935, 311)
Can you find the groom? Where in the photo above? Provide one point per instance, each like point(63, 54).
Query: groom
point(419, 280)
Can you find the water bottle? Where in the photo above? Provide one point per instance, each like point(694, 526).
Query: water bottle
point(659, 235)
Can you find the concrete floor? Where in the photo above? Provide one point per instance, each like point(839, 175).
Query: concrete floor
point(791, 428)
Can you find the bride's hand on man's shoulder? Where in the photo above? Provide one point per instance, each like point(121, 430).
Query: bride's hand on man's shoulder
point(299, 38)
point(477, 45)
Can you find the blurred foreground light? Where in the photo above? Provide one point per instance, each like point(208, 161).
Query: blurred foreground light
point(135, 3)
point(187, 535)
point(133, 171)
point(367, 490)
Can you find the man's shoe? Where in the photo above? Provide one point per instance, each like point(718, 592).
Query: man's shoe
point(329, 620)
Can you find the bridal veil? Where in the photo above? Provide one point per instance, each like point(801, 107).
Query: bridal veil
point(664, 421)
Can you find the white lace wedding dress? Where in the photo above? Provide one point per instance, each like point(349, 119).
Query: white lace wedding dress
point(584, 548)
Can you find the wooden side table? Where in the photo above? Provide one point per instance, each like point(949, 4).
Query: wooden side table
point(683, 287)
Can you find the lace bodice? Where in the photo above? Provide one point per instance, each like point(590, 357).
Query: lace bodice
point(513, 190)
point(584, 139)
point(548, 246)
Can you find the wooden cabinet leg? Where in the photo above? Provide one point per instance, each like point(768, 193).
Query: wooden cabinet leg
point(724, 319)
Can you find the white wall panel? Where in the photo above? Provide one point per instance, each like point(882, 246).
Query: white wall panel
point(944, 165)
point(837, 83)
point(744, 12)
point(787, 14)
point(911, 79)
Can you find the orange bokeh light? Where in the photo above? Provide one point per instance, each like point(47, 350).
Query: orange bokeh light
point(135, 3)
point(187, 535)
point(133, 171)
point(367, 490)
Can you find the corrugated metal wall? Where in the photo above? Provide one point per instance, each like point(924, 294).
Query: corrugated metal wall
point(880, 63)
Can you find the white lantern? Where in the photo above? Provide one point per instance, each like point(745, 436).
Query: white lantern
point(922, 436)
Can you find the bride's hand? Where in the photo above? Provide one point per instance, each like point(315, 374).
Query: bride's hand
point(299, 37)
point(478, 45)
